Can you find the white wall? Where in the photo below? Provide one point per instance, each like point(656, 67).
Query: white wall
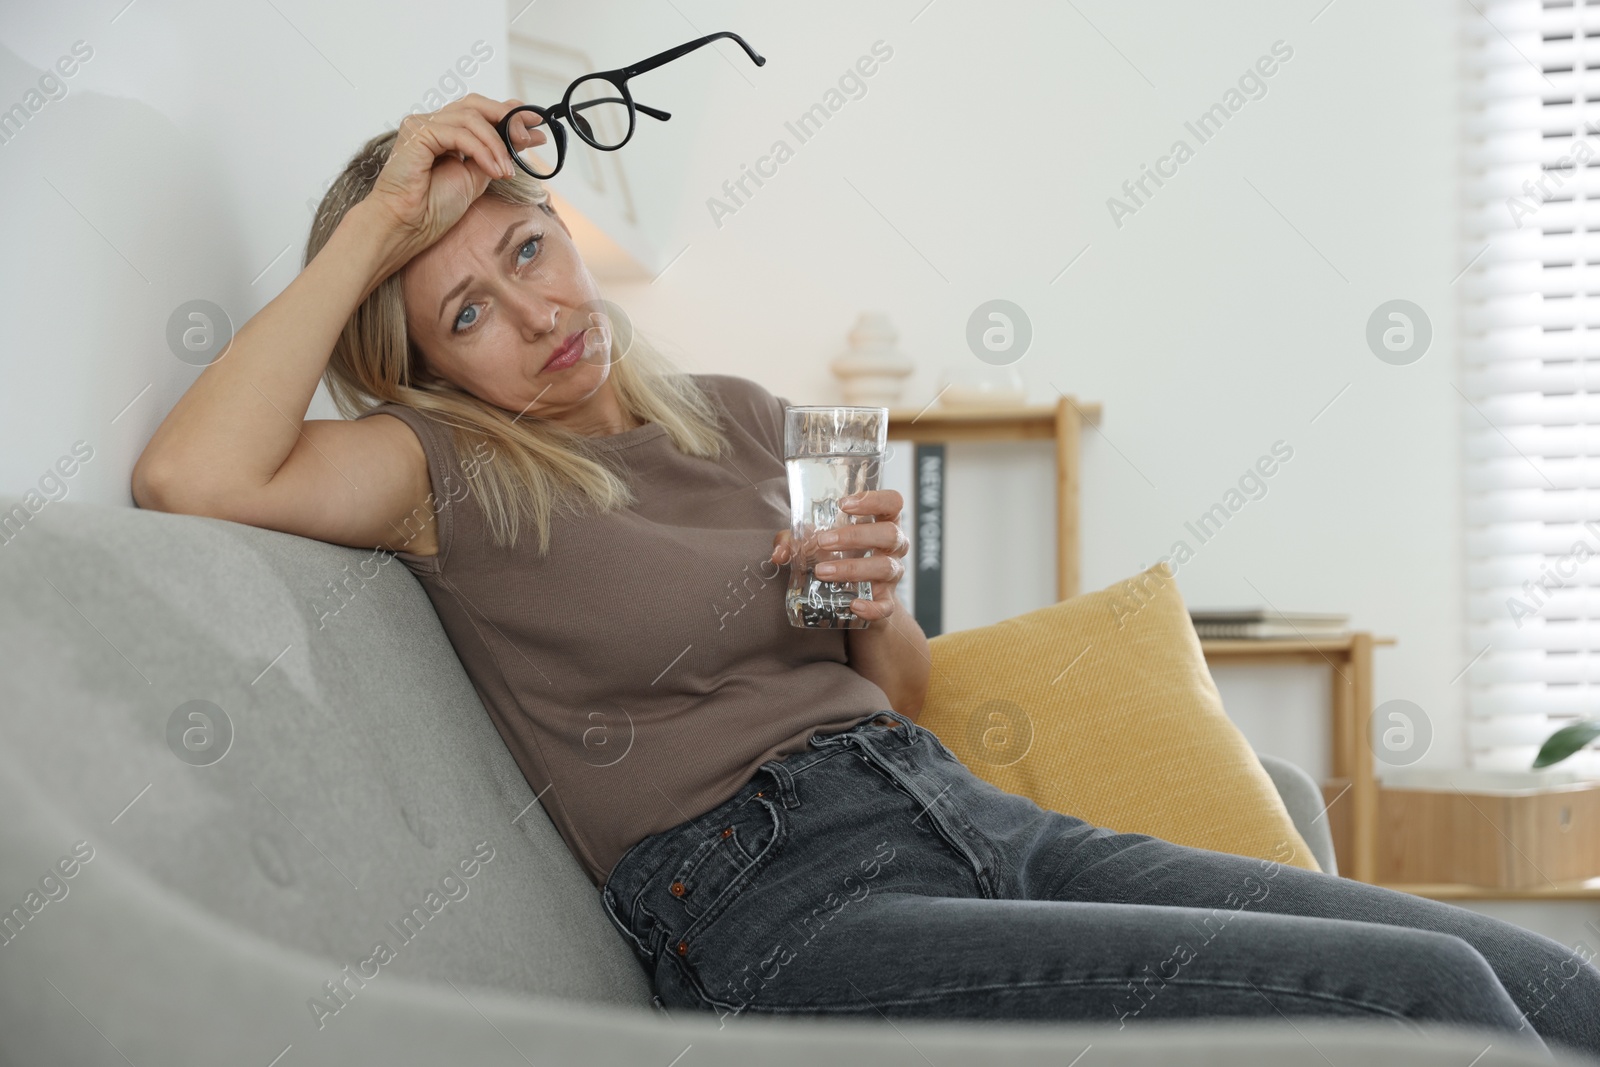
point(178, 166)
point(1219, 318)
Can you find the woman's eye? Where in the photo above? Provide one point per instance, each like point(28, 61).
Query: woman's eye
point(526, 253)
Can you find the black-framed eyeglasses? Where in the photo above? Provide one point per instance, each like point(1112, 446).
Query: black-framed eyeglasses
point(599, 107)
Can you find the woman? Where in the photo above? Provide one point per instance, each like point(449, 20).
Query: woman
point(769, 828)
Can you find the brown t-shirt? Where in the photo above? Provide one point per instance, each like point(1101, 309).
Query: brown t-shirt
point(643, 670)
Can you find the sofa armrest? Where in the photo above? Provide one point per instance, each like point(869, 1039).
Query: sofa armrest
point(1304, 801)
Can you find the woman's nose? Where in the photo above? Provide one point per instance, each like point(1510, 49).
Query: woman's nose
point(538, 318)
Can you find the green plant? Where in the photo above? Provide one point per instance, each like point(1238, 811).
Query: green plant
point(1565, 741)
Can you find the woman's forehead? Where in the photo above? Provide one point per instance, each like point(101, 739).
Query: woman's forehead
point(471, 242)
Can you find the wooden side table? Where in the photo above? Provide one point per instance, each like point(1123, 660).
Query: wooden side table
point(1587, 891)
point(1063, 421)
point(1350, 656)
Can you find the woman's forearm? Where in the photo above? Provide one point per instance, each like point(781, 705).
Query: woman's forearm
point(893, 654)
point(239, 421)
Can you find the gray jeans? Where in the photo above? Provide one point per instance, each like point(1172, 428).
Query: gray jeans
point(874, 873)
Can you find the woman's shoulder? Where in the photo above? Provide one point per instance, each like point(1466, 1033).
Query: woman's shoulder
point(431, 524)
point(732, 385)
point(750, 404)
point(438, 439)
point(413, 417)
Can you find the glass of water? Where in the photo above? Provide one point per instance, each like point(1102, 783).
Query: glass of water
point(831, 453)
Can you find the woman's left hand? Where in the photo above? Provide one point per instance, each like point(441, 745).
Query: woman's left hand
point(882, 535)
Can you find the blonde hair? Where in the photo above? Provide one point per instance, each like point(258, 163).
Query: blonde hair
point(538, 468)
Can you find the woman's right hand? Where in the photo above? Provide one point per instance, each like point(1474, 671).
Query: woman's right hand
point(441, 162)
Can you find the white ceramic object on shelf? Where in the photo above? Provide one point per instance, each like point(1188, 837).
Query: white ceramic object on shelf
point(970, 383)
point(873, 372)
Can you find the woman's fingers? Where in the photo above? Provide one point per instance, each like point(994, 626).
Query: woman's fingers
point(883, 534)
point(439, 164)
point(881, 572)
point(467, 127)
point(460, 130)
point(873, 610)
point(782, 546)
point(880, 503)
point(424, 138)
point(527, 129)
point(495, 152)
point(862, 569)
point(492, 111)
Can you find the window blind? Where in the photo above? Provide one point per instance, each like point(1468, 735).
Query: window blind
point(1530, 305)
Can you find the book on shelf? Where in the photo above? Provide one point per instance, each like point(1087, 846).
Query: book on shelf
point(1267, 624)
point(1265, 631)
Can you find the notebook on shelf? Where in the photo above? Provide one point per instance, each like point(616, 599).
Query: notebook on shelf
point(1267, 624)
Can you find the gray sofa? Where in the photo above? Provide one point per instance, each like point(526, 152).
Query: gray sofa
point(178, 908)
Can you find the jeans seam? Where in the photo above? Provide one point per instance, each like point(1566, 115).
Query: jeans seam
point(949, 828)
point(814, 763)
point(852, 1007)
point(638, 945)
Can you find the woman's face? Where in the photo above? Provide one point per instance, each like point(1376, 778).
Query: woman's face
point(494, 299)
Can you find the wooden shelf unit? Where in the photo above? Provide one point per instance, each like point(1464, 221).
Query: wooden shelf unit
point(1589, 890)
point(1063, 421)
point(1350, 657)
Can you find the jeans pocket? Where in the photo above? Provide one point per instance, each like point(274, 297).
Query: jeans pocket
point(691, 898)
point(719, 863)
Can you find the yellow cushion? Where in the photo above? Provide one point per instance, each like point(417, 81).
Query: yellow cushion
point(1101, 706)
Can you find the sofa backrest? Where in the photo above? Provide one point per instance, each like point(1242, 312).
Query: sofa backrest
point(362, 782)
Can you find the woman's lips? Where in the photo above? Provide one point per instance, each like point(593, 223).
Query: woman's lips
point(570, 352)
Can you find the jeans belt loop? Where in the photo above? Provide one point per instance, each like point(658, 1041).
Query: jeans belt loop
point(783, 782)
point(819, 740)
point(898, 726)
